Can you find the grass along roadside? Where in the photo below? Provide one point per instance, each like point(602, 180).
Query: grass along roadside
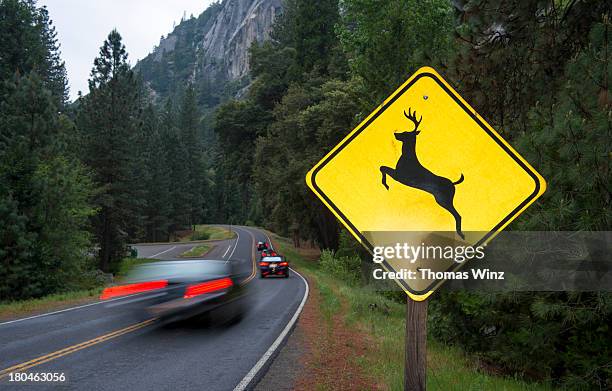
point(209, 232)
point(54, 302)
point(379, 324)
point(197, 251)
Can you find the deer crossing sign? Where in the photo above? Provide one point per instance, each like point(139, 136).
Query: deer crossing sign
point(424, 162)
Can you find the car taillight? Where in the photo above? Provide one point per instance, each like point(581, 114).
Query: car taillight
point(207, 287)
point(273, 254)
point(284, 264)
point(264, 263)
point(130, 289)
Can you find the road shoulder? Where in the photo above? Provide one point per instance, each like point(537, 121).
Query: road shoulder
point(321, 353)
point(282, 373)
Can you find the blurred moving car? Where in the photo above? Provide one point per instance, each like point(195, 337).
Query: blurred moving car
point(178, 290)
point(262, 246)
point(273, 266)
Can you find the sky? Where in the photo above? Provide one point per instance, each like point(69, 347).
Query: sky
point(82, 26)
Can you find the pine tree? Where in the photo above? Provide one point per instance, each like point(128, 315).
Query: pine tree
point(28, 44)
point(19, 274)
point(53, 68)
point(179, 169)
point(237, 125)
point(387, 41)
point(572, 143)
point(45, 194)
point(309, 28)
point(512, 54)
point(157, 179)
point(189, 125)
point(21, 44)
point(110, 120)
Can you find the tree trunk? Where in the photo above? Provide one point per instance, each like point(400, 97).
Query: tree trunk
point(105, 244)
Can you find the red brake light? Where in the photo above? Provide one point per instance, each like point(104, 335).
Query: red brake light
point(264, 263)
point(207, 287)
point(284, 263)
point(130, 289)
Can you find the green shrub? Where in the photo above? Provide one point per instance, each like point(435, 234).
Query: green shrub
point(200, 235)
point(563, 337)
point(346, 268)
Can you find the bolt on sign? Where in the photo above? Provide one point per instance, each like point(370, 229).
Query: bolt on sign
point(424, 168)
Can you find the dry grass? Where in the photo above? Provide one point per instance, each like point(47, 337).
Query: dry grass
point(197, 251)
point(207, 232)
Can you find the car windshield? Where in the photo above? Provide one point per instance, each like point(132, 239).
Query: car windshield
point(273, 259)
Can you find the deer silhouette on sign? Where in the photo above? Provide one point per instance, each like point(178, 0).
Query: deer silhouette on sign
point(410, 172)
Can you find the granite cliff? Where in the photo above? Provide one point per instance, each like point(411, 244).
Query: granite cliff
point(210, 50)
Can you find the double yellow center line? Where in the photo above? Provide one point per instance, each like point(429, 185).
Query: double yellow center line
point(253, 259)
point(71, 349)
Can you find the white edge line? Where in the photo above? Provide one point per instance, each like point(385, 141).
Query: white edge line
point(235, 245)
point(66, 309)
point(165, 251)
point(225, 253)
point(275, 345)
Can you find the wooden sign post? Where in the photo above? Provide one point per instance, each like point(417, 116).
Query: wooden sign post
point(415, 364)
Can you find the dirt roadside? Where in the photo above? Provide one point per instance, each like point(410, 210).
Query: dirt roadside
point(320, 354)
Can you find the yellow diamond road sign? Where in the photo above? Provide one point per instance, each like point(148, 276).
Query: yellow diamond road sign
point(423, 162)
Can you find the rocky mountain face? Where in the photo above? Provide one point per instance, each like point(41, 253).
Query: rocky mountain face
point(211, 50)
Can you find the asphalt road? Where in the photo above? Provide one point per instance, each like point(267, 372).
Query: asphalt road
point(106, 347)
